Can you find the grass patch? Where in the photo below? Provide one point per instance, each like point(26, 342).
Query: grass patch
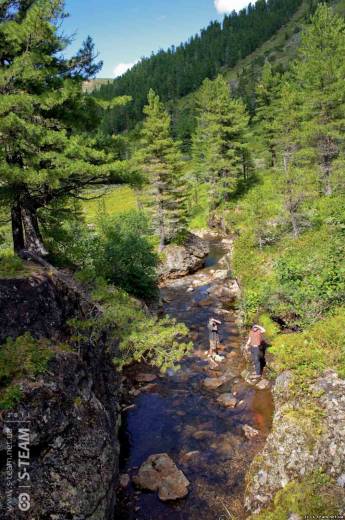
point(11, 266)
point(308, 353)
point(111, 201)
point(199, 213)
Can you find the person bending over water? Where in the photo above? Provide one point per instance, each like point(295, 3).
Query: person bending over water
point(213, 329)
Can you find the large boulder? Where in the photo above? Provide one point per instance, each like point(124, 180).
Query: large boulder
point(181, 260)
point(160, 473)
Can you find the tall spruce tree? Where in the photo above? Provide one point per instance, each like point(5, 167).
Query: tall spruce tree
point(160, 161)
point(220, 145)
point(297, 179)
point(320, 80)
point(267, 92)
point(47, 149)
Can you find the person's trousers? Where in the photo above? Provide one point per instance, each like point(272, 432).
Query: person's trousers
point(258, 358)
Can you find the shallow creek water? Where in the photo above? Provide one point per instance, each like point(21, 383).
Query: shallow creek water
point(179, 416)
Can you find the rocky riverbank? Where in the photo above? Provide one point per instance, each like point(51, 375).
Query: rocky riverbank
point(304, 441)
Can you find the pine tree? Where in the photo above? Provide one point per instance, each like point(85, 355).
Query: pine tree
point(320, 78)
point(220, 141)
point(267, 92)
point(160, 161)
point(47, 149)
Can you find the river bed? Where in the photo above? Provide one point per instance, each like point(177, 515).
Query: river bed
point(177, 415)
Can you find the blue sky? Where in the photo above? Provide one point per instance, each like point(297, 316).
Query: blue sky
point(126, 30)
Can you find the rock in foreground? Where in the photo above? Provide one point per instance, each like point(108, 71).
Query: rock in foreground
point(160, 473)
point(212, 383)
point(181, 260)
point(227, 400)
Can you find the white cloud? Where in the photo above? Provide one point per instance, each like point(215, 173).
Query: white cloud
point(227, 6)
point(121, 68)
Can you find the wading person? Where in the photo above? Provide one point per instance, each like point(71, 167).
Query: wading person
point(213, 329)
point(256, 345)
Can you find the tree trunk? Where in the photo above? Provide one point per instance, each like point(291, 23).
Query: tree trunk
point(295, 228)
point(161, 225)
point(33, 238)
point(17, 229)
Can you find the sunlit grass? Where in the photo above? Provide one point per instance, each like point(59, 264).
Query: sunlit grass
point(113, 201)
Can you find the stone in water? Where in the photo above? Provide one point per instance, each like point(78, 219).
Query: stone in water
point(160, 473)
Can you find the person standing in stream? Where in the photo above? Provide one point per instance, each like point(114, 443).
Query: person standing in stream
point(213, 329)
point(256, 347)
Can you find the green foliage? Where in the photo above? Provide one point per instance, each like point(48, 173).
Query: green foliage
point(48, 148)
point(159, 160)
point(319, 79)
point(289, 257)
point(11, 266)
point(142, 336)
point(316, 495)
point(20, 358)
point(267, 92)
point(308, 353)
point(114, 201)
point(310, 278)
point(125, 255)
point(10, 396)
point(219, 148)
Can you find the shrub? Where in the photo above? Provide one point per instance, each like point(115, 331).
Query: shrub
point(126, 257)
point(141, 337)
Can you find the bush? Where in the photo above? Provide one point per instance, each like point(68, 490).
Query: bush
point(126, 257)
point(310, 277)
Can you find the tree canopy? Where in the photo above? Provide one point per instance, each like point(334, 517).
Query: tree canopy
point(49, 149)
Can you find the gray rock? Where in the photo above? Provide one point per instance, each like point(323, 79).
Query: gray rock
point(160, 473)
point(181, 260)
point(212, 383)
point(227, 400)
point(249, 432)
point(295, 448)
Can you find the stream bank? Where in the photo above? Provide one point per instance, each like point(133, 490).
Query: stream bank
point(186, 413)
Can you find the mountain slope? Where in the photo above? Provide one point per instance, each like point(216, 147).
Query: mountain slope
point(179, 71)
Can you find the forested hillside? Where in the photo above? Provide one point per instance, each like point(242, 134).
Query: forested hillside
point(181, 70)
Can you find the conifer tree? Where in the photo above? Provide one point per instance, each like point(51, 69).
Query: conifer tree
point(160, 161)
point(47, 149)
point(297, 179)
point(220, 142)
point(320, 78)
point(267, 92)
